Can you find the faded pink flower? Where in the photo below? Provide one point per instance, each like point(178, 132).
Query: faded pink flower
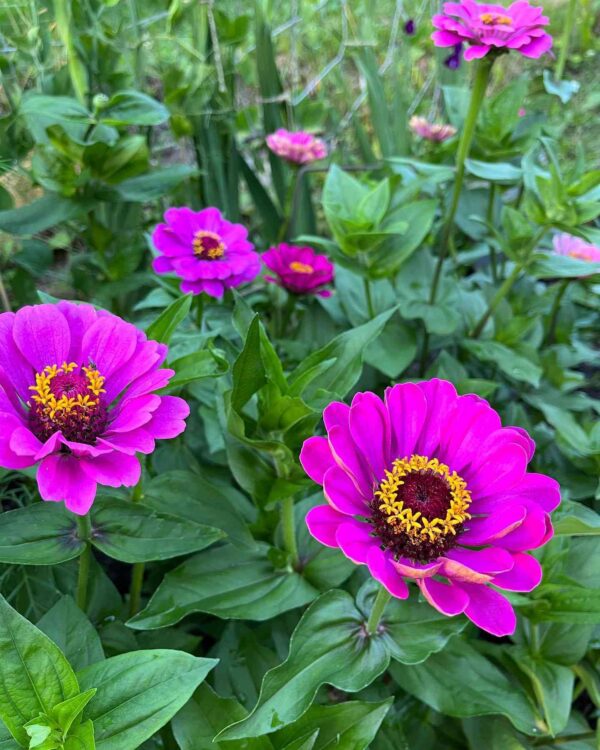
point(431, 131)
point(300, 270)
point(575, 247)
point(299, 147)
point(209, 253)
point(487, 28)
point(428, 486)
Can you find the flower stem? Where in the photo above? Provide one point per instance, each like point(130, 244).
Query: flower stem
point(199, 310)
point(553, 318)
point(566, 36)
point(369, 296)
point(507, 285)
point(383, 597)
point(84, 528)
point(137, 571)
point(482, 77)
point(289, 529)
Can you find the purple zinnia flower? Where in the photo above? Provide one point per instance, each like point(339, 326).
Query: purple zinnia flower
point(575, 247)
point(428, 486)
point(77, 397)
point(299, 147)
point(299, 269)
point(488, 28)
point(208, 252)
point(431, 131)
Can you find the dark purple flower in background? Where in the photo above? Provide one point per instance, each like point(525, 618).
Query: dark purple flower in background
point(453, 60)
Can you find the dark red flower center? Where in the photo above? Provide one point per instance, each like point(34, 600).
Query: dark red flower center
point(68, 398)
point(419, 508)
point(208, 245)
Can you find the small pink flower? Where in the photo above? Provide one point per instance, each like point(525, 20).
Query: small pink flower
point(431, 131)
point(487, 28)
point(299, 147)
point(427, 486)
point(209, 253)
point(299, 269)
point(79, 398)
point(575, 247)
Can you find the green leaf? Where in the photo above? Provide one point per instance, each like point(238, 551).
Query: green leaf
point(155, 184)
point(132, 533)
point(493, 171)
point(35, 674)
point(228, 583)
point(345, 354)
point(351, 725)
point(208, 363)
point(193, 498)
point(165, 325)
point(460, 682)
point(329, 645)
point(204, 716)
point(66, 712)
point(514, 365)
point(41, 534)
point(552, 685)
point(575, 519)
point(138, 693)
point(552, 266)
point(133, 108)
point(73, 633)
point(248, 370)
point(42, 214)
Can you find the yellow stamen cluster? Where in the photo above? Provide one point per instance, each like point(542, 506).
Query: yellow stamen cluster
point(63, 405)
point(299, 267)
point(210, 253)
point(406, 520)
point(495, 18)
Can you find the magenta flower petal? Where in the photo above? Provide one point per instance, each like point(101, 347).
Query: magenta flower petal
point(486, 27)
point(323, 523)
point(73, 403)
point(61, 478)
point(428, 486)
point(355, 540)
point(407, 407)
point(42, 338)
point(525, 574)
point(489, 610)
point(316, 458)
point(341, 493)
point(370, 431)
point(382, 569)
point(300, 270)
point(447, 598)
point(298, 147)
point(209, 253)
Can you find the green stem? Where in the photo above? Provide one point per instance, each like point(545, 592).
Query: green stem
point(383, 597)
point(566, 36)
point(137, 571)
point(369, 296)
point(490, 221)
point(199, 310)
point(289, 529)
point(84, 528)
point(482, 77)
point(553, 319)
point(507, 285)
